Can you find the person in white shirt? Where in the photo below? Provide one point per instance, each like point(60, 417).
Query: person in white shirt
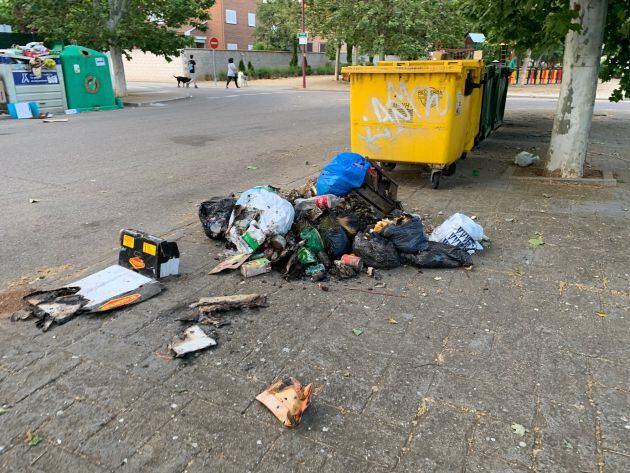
point(232, 74)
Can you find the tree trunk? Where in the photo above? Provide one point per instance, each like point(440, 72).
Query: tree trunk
point(522, 78)
point(574, 112)
point(337, 56)
point(120, 83)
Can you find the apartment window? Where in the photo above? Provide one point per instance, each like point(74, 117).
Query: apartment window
point(251, 19)
point(232, 46)
point(250, 47)
point(309, 47)
point(322, 47)
point(230, 16)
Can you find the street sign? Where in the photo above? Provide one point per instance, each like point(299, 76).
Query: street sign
point(213, 42)
point(302, 37)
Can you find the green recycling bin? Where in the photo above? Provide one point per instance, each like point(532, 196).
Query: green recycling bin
point(87, 79)
point(493, 99)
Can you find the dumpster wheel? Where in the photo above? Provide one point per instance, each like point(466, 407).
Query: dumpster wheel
point(450, 169)
point(435, 178)
point(388, 165)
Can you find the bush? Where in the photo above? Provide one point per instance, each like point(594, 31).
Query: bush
point(241, 66)
point(250, 68)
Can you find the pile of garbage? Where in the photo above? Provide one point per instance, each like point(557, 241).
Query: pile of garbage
point(347, 222)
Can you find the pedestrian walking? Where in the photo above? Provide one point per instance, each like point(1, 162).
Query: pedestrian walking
point(191, 70)
point(232, 74)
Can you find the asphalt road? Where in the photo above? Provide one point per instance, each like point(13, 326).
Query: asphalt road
point(148, 168)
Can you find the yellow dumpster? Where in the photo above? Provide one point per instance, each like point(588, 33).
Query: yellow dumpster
point(419, 112)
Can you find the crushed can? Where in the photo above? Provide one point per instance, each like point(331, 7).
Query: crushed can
point(256, 267)
point(352, 261)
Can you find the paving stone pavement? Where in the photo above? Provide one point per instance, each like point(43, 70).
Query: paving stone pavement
point(474, 355)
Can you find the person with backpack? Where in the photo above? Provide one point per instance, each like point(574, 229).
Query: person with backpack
point(232, 74)
point(191, 70)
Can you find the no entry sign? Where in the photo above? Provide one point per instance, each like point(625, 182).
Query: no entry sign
point(213, 42)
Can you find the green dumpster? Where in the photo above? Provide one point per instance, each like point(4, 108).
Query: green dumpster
point(87, 79)
point(493, 99)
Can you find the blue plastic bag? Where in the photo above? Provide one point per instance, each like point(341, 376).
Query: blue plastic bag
point(343, 174)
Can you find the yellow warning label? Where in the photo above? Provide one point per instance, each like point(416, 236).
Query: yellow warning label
point(128, 241)
point(149, 248)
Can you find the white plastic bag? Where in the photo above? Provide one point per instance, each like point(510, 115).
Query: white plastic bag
point(275, 214)
point(524, 159)
point(459, 230)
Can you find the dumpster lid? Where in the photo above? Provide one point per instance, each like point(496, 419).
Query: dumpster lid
point(411, 67)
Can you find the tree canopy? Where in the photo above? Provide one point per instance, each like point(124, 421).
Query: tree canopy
point(543, 24)
point(407, 28)
point(125, 24)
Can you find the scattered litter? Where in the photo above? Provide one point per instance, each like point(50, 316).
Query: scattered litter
point(193, 339)
point(536, 241)
point(209, 306)
point(149, 255)
point(405, 232)
point(33, 439)
point(357, 331)
point(253, 168)
point(518, 429)
point(510, 219)
point(343, 174)
point(439, 255)
point(258, 213)
point(214, 215)
point(323, 287)
point(256, 267)
point(3, 410)
point(33, 201)
point(524, 159)
point(475, 172)
point(287, 399)
point(370, 271)
point(601, 313)
point(326, 201)
point(522, 444)
point(547, 196)
point(55, 120)
point(392, 321)
point(233, 262)
point(459, 230)
point(376, 251)
point(109, 289)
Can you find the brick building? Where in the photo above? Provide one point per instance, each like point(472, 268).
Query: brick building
point(233, 22)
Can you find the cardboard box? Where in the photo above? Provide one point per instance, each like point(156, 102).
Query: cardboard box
point(147, 254)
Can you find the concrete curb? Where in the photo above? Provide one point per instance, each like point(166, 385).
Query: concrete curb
point(153, 102)
point(607, 181)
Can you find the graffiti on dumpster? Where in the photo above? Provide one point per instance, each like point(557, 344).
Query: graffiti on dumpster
point(401, 106)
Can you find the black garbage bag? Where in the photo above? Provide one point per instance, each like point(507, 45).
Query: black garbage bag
point(407, 235)
point(438, 255)
point(215, 214)
point(335, 238)
point(376, 251)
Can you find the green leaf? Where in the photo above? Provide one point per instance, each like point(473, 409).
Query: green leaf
point(34, 440)
point(3, 410)
point(536, 241)
point(357, 331)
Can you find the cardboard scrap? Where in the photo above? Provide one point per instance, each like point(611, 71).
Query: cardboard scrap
point(287, 399)
point(193, 339)
point(233, 262)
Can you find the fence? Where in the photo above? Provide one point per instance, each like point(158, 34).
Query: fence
point(538, 76)
point(147, 67)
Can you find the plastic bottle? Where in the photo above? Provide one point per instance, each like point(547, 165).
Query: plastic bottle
point(326, 201)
